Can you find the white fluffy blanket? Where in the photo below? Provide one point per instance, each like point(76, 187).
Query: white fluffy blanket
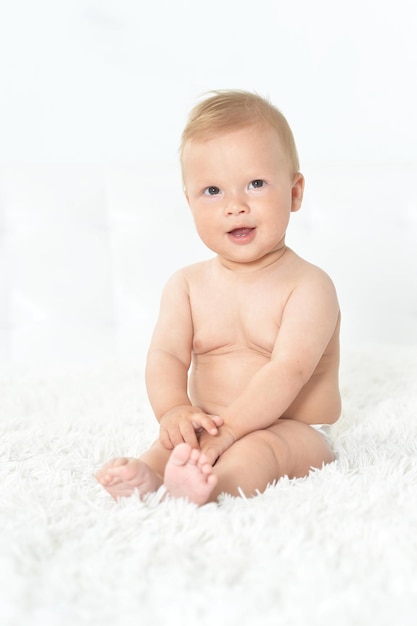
point(338, 547)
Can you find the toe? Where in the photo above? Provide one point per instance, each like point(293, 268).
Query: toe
point(206, 469)
point(194, 457)
point(181, 454)
point(212, 480)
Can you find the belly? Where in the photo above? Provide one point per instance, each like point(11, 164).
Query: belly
point(318, 402)
point(218, 379)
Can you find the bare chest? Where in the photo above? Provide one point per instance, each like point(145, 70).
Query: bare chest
point(229, 317)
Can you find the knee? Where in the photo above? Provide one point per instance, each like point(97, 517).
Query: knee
point(275, 448)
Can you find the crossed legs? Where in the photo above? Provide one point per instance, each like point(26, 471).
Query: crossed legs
point(286, 448)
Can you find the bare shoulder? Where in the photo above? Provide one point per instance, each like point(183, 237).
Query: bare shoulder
point(312, 298)
point(185, 277)
point(180, 283)
point(175, 311)
point(306, 274)
point(197, 270)
point(188, 273)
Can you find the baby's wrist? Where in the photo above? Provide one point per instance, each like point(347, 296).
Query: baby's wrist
point(228, 433)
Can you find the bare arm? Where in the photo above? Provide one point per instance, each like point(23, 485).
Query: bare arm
point(166, 375)
point(308, 323)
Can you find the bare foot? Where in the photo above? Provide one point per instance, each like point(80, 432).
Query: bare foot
point(189, 475)
point(121, 477)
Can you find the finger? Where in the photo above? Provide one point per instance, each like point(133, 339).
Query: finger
point(176, 437)
point(209, 425)
point(219, 421)
point(165, 439)
point(189, 435)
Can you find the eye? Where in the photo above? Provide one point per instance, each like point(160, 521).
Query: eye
point(256, 184)
point(211, 191)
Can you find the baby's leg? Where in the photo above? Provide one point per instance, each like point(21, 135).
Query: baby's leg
point(123, 476)
point(288, 448)
point(187, 474)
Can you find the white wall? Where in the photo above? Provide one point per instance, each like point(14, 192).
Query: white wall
point(93, 99)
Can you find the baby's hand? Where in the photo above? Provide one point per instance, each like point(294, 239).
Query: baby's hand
point(182, 423)
point(214, 446)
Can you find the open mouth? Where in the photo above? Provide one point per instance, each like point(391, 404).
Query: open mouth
point(242, 235)
point(241, 232)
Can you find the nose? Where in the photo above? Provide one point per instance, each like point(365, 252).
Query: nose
point(236, 204)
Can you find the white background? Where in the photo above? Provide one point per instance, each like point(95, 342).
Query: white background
point(93, 98)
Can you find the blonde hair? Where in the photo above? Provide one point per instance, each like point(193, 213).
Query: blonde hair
point(231, 110)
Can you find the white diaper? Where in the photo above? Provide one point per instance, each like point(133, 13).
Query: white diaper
point(323, 429)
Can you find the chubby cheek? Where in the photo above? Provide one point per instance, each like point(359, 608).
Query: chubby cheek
point(206, 230)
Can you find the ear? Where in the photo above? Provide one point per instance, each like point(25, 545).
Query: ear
point(297, 192)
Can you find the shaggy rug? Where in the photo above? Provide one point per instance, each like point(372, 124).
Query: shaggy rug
point(338, 547)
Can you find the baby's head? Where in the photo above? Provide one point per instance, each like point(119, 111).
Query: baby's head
point(226, 111)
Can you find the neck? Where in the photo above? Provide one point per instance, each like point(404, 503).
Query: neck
point(254, 266)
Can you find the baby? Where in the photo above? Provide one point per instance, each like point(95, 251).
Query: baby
point(242, 370)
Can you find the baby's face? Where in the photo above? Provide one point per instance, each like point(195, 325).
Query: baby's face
point(241, 192)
